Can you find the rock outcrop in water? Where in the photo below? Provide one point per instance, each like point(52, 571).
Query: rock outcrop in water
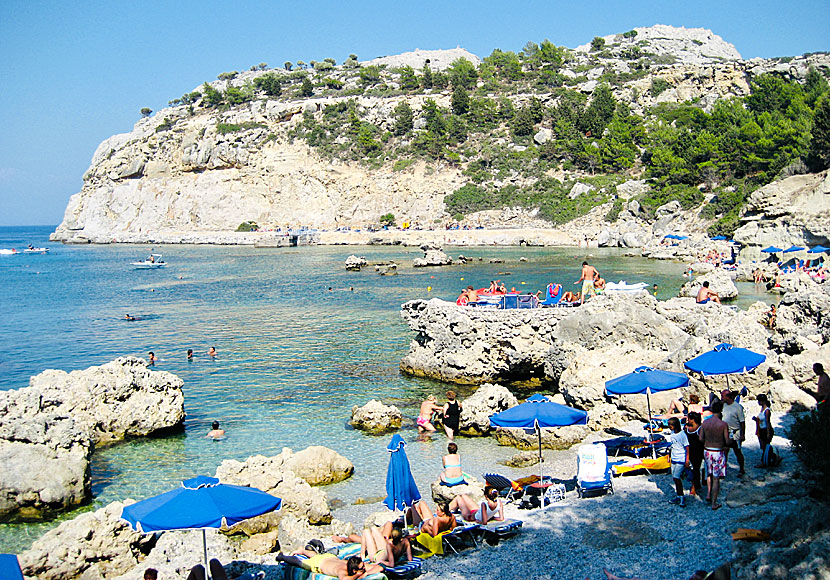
point(573, 351)
point(49, 429)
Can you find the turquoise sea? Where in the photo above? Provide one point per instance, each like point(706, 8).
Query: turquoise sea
point(293, 357)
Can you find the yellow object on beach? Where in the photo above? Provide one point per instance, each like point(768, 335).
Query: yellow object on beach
point(434, 544)
point(639, 465)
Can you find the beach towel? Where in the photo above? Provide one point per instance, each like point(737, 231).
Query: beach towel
point(645, 465)
point(433, 544)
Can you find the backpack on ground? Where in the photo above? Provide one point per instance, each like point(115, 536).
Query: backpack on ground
point(769, 458)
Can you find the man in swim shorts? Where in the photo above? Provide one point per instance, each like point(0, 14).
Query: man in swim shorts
point(715, 436)
point(589, 275)
point(704, 295)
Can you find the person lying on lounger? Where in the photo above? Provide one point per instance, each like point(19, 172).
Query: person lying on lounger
point(424, 520)
point(491, 509)
point(386, 545)
point(330, 565)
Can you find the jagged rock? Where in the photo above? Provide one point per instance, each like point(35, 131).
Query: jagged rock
point(320, 465)
point(477, 409)
point(719, 282)
point(543, 136)
point(552, 438)
point(785, 396)
point(432, 258)
point(579, 188)
point(522, 459)
point(375, 417)
point(355, 263)
point(96, 542)
point(48, 430)
point(264, 543)
point(472, 487)
point(632, 188)
point(800, 314)
point(271, 474)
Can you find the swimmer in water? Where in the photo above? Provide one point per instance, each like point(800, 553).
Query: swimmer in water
point(128, 317)
point(190, 354)
point(151, 358)
point(215, 432)
point(212, 351)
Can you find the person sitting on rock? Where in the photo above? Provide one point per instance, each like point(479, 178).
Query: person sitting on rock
point(452, 474)
point(769, 317)
point(704, 295)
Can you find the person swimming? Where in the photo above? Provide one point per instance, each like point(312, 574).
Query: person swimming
point(215, 432)
point(128, 317)
point(190, 354)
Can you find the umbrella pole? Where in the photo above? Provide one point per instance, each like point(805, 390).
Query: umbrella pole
point(204, 548)
point(650, 426)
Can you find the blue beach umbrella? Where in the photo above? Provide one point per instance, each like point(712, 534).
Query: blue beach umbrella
point(646, 380)
point(538, 412)
point(401, 491)
point(772, 250)
point(725, 359)
point(818, 250)
point(719, 238)
point(10, 567)
point(199, 503)
point(793, 249)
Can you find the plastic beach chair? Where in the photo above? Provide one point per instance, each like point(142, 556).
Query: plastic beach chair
point(593, 473)
point(507, 488)
point(553, 296)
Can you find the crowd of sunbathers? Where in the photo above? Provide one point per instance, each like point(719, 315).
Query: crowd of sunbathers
point(592, 284)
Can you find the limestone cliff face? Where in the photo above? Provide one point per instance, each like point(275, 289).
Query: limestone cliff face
point(182, 176)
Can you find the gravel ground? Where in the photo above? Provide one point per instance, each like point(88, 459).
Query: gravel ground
point(633, 532)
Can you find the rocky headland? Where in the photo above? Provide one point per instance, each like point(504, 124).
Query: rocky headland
point(49, 429)
point(193, 172)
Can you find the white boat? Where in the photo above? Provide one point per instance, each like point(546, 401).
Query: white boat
point(153, 262)
point(623, 286)
point(8, 252)
point(35, 250)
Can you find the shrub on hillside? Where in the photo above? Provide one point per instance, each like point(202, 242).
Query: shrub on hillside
point(248, 226)
point(810, 440)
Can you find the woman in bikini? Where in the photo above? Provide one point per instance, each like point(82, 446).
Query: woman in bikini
point(386, 545)
point(452, 474)
point(491, 509)
point(428, 407)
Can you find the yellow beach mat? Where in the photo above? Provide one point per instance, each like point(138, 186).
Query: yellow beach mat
point(435, 544)
point(751, 535)
point(646, 464)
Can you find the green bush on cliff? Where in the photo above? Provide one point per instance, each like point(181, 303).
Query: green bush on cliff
point(249, 226)
point(224, 128)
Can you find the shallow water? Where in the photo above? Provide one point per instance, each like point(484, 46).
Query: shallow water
point(293, 358)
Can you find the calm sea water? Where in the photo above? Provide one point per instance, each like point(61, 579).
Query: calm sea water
point(293, 356)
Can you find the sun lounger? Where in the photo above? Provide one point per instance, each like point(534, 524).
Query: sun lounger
point(553, 295)
point(507, 488)
point(462, 536)
point(635, 446)
point(503, 529)
point(593, 473)
point(290, 572)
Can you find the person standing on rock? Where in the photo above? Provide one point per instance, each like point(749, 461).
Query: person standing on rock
point(452, 415)
point(423, 421)
point(715, 441)
point(589, 274)
point(733, 415)
point(823, 393)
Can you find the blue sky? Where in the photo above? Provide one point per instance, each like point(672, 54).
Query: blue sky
point(74, 73)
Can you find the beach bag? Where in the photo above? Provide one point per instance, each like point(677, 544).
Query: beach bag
point(769, 458)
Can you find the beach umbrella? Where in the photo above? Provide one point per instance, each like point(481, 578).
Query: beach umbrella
point(401, 491)
point(199, 503)
point(646, 380)
point(772, 250)
point(10, 567)
point(718, 238)
point(818, 250)
point(536, 413)
point(725, 359)
point(793, 249)
point(670, 236)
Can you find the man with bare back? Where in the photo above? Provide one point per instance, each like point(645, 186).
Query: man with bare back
point(588, 277)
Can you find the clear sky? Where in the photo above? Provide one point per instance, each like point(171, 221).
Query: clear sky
point(74, 73)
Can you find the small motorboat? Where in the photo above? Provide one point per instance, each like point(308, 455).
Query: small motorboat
point(623, 286)
point(33, 250)
point(152, 262)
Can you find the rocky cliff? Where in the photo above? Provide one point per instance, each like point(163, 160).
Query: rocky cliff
point(193, 173)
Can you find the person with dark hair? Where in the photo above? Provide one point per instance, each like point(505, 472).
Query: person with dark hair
point(763, 423)
point(425, 521)
point(452, 474)
point(733, 415)
point(588, 277)
point(679, 459)
point(704, 295)
point(823, 392)
point(215, 432)
point(391, 534)
point(694, 434)
point(452, 415)
point(151, 358)
point(715, 442)
point(151, 574)
point(329, 564)
point(491, 508)
point(190, 354)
